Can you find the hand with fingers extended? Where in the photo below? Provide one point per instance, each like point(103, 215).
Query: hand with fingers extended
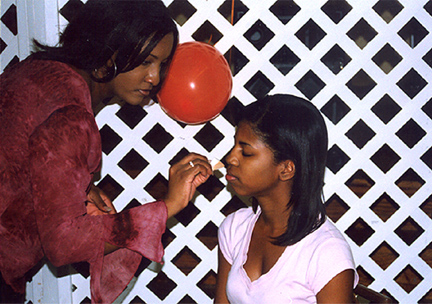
point(184, 177)
point(98, 202)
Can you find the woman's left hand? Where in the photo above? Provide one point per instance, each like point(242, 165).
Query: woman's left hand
point(98, 203)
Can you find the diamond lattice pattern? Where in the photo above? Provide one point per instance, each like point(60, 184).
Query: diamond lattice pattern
point(365, 64)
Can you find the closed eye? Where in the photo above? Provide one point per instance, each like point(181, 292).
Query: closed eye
point(245, 146)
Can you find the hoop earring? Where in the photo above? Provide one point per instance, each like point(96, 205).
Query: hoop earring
point(115, 69)
point(108, 76)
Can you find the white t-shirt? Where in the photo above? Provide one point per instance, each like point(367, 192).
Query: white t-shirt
point(300, 273)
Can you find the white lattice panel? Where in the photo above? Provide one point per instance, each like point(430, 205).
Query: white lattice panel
point(9, 41)
point(406, 273)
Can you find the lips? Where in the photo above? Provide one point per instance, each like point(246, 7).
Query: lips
point(229, 177)
point(145, 93)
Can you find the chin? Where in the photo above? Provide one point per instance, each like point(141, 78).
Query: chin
point(138, 102)
point(237, 191)
point(146, 102)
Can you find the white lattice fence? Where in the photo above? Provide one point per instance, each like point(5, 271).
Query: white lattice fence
point(367, 66)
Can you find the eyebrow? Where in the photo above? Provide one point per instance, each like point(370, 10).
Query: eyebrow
point(245, 144)
point(156, 57)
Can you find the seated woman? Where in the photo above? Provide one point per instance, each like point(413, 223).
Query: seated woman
point(283, 249)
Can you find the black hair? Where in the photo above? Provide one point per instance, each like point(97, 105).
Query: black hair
point(100, 28)
point(294, 129)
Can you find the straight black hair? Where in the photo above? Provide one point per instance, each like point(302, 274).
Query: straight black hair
point(294, 129)
point(130, 29)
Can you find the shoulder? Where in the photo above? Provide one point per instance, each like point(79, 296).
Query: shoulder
point(326, 232)
point(45, 78)
point(233, 231)
point(235, 225)
point(238, 219)
point(62, 73)
point(60, 85)
point(325, 244)
point(29, 66)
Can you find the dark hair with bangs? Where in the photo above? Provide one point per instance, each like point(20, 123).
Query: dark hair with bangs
point(294, 129)
point(100, 28)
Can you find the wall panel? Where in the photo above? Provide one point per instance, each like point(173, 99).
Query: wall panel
point(367, 66)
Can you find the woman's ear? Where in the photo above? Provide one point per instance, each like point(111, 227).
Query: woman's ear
point(100, 73)
point(288, 170)
point(109, 67)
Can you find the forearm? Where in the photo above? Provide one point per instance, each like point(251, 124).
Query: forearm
point(139, 229)
point(64, 151)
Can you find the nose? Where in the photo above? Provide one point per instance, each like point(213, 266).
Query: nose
point(231, 158)
point(153, 75)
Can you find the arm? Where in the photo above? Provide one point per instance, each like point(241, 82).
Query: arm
point(339, 289)
point(221, 279)
point(64, 151)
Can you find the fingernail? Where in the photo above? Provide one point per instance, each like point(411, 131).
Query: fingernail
point(107, 209)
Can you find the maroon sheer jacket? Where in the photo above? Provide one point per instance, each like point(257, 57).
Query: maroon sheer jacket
point(49, 149)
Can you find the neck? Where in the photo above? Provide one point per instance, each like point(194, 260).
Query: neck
point(274, 213)
point(98, 91)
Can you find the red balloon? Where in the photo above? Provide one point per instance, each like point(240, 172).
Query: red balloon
point(198, 84)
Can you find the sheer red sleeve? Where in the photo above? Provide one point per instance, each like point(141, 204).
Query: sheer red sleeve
point(64, 152)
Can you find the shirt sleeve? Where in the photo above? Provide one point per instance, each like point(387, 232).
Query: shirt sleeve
point(330, 258)
point(232, 232)
point(64, 151)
